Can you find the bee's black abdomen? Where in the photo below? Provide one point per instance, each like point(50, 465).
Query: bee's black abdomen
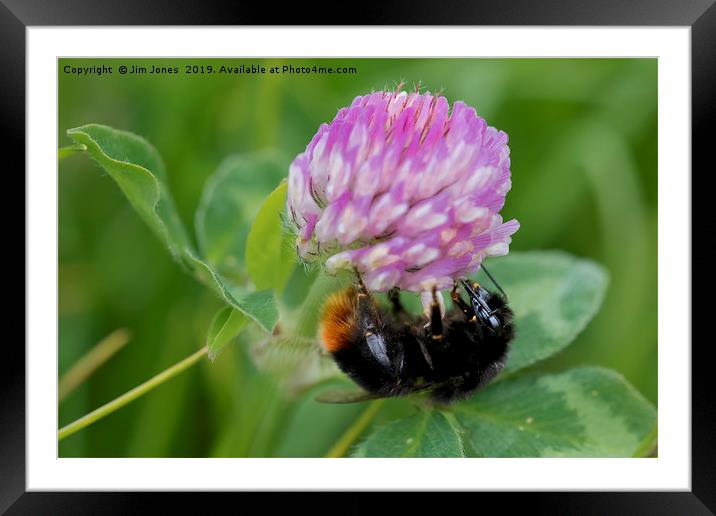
point(468, 359)
point(361, 367)
point(394, 378)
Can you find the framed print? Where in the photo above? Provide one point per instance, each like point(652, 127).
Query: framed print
point(360, 258)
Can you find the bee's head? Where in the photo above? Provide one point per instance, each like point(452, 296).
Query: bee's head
point(486, 307)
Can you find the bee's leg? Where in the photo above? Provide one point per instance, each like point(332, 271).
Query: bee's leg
point(436, 329)
point(394, 298)
point(426, 353)
point(470, 313)
point(368, 314)
point(461, 304)
point(436, 318)
point(366, 308)
point(361, 286)
point(371, 325)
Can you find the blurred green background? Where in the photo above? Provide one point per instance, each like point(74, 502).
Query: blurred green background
point(583, 140)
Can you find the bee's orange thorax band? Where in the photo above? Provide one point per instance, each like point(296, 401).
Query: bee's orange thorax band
point(338, 320)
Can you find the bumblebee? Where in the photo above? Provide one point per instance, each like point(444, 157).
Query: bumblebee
point(394, 353)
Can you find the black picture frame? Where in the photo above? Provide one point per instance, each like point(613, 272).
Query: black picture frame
point(700, 15)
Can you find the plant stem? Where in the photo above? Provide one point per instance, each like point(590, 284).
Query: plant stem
point(129, 396)
point(91, 361)
point(355, 430)
point(69, 150)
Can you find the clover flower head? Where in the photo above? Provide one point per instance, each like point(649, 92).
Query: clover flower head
point(403, 189)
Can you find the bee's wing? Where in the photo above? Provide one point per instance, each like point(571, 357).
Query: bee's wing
point(346, 396)
point(359, 395)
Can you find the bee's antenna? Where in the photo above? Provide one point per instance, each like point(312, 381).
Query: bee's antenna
point(493, 281)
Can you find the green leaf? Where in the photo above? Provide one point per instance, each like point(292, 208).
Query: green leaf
point(426, 434)
point(139, 171)
point(226, 324)
point(259, 306)
point(229, 204)
point(270, 256)
point(553, 294)
point(584, 412)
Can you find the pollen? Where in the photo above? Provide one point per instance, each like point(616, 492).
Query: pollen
point(338, 320)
